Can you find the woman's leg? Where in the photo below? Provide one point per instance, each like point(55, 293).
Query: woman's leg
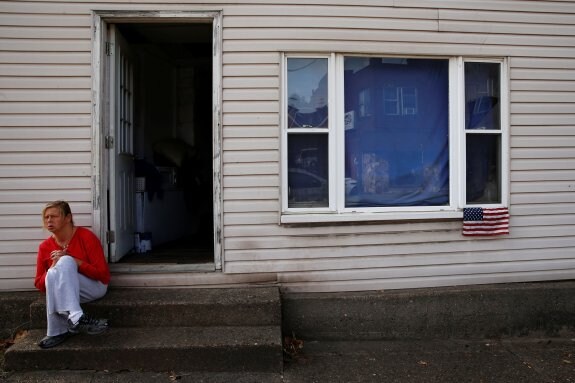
point(62, 294)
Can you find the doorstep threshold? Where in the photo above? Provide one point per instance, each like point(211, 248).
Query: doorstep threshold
point(153, 268)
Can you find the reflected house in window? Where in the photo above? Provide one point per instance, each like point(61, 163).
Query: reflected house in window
point(397, 153)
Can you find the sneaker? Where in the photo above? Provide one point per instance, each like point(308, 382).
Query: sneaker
point(88, 325)
point(53, 341)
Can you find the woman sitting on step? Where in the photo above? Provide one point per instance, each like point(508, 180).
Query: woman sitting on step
point(71, 269)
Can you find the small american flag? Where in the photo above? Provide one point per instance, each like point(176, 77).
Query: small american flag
point(485, 221)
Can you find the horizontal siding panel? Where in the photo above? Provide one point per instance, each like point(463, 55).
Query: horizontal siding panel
point(250, 206)
point(499, 16)
point(517, 6)
point(542, 108)
point(542, 119)
point(545, 63)
point(71, 170)
point(21, 259)
point(541, 187)
point(542, 153)
point(34, 234)
point(251, 107)
point(246, 194)
point(250, 82)
point(392, 262)
point(250, 132)
point(250, 94)
point(506, 28)
point(254, 70)
point(36, 209)
point(251, 157)
point(251, 181)
point(19, 196)
point(17, 272)
point(39, 20)
point(66, 157)
point(27, 95)
point(543, 198)
point(543, 142)
point(543, 164)
point(556, 175)
point(382, 9)
point(249, 218)
point(27, 32)
point(462, 248)
point(44, 107)
point(293, 43)
point(65, 58)
point(31, 221)
point(45, 183)
point(536, 209)
point(45, 145)
point(542, 97)
point(46, 120)
point(259, 58)
point(249, 169)
point(452, 9)
point(266, 119)
point(52, 45)
point(21, 133)
point(363, 35)
point(543, 220)
point(359, 239)
point(334, 22)
point(542, 85)
point(45, 70)
point(45, 82)
point(237, 144)
point(548, 130)
point(311, 231)
point(543, 74)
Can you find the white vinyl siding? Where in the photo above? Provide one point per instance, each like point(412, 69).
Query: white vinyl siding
point(46, 138)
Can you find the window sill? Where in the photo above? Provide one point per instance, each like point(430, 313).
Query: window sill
point(370, 217)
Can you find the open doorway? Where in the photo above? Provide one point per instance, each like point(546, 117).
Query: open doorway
point(161, 168)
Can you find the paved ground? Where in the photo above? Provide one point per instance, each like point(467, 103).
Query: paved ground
point(525, 360)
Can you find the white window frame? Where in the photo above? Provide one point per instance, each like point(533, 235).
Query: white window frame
point(336, 211)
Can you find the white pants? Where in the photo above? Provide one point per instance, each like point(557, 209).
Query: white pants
point(65, 290)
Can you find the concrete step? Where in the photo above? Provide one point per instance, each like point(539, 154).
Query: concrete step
point(215, 349)
point(180, 307)
point(215, 330)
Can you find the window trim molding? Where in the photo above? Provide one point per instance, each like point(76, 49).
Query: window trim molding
point(337, 212)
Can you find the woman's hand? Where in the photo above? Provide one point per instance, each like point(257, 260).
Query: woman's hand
point(55, 256)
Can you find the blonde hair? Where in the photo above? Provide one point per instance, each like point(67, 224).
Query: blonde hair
point(62, 206)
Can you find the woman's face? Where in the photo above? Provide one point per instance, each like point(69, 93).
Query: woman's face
point(54, 220)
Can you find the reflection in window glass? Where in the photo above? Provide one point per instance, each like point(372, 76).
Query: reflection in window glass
point(307, 92)
point(307, 170)
point(482, 96)
point(398, 155)
point(483, 171)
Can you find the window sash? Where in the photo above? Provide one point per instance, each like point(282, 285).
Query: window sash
point(336, 150)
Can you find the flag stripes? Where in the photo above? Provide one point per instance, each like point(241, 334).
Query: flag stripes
point(485, 221)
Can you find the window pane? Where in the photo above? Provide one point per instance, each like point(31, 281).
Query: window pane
point(482, 96)
point(397, 155)
point(307, 92)
point(307, 170)
point(483, 168)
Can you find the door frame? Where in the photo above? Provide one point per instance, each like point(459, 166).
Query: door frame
point(101, 110)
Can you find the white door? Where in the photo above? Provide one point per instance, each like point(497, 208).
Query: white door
point(121, 146)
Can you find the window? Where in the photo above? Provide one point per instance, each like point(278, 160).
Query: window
point(483, 133)
point(383, 135)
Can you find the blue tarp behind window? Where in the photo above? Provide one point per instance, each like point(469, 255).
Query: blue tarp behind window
point(396, 132)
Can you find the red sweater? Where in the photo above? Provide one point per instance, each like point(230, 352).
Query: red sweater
point(85, 246)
